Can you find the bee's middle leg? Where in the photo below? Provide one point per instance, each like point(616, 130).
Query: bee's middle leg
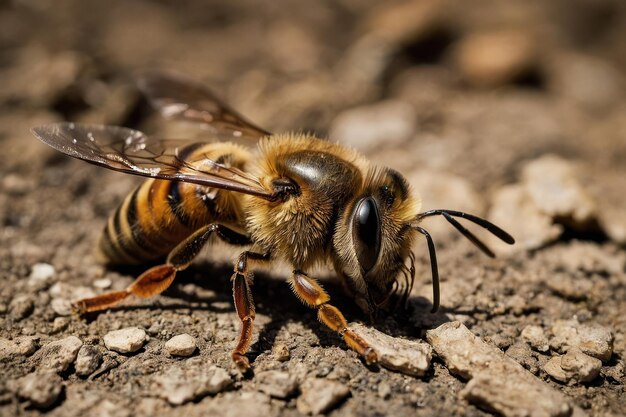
point(311, 293)
point(157, 279)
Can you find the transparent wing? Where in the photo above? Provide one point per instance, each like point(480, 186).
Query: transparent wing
point(180, 98)
point(131, 151)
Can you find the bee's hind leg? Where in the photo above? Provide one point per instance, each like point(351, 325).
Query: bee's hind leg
point(244, 304)
point(311, 293)
point(157, 279)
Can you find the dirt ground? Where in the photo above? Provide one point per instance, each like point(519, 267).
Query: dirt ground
point(512, 110)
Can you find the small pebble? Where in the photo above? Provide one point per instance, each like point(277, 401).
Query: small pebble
point(40, 389)
point(573, 367)
point(60, 354)
point(20, 346)
point(127, 340)
point(596, 341)
point(384, 390)
point(21, 307)
point(61, 306)
point(88, 360)
point(535, 337)
point(320, 395)
point(280, 352)
point(181, 345)
point(179, 385)
point(59, 324)
point(276, 384)
point(102, 283)
point(40, 273)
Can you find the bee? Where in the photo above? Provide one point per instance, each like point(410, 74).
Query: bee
point(291, 197)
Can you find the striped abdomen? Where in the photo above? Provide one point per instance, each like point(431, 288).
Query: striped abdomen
point(159, 214)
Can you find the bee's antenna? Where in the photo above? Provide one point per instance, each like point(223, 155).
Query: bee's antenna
point(433, 266)
point(449, 216)
point(495, 230)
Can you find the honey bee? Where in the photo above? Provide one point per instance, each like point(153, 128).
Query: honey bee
point(293, 197)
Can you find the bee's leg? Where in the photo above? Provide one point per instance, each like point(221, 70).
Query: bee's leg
point(311, 293)
point(156, 280)
point(244, 304)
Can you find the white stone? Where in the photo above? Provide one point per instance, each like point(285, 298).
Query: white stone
point(127, 340)
point(181, 345)
point(40, 273)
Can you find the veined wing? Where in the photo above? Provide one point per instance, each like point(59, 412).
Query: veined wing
point(180, 98)
point(131, 151)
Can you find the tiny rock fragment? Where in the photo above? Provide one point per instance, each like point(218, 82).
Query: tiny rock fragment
point(277, 384)
point(406, 356)
point(320, 395)
point(102, 283)
point(40, 389)
point(280, 352)
point(573, 367)
point(20, 346)
point(497, 382)
point(596, 341)
point(512, 203)
point(554, 189)
point(61, 306)
point(535, 337)
point(495, 57)
point(60, 323)
point(191, 382)
point(60, 354)
point(21, 307)
point(127, 340)
point(87, 360)
point(364, 128)
point(181, 345)
point(40, 273)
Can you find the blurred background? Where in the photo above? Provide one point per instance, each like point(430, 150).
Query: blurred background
point(514, 110)
point(467, 93)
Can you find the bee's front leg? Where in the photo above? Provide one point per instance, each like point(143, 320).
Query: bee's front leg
point(311, 293)
point(157, 279)
point(244, 304)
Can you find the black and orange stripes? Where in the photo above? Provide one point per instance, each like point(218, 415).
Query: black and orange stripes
point(159, 214)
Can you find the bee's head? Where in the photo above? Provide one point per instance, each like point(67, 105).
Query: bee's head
point(372, 242)
point(373, 239)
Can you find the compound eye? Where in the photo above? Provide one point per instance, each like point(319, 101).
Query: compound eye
point(366, 232)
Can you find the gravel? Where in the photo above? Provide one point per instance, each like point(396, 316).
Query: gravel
point(181, 345)
point(497, 382)
point(88, 360)
point(536, 337)
point(277, 384)
point(320, 395)
point(60, 354)
point(21, 307)
point(40, 389)
point(594, 340)
point(573, 367)
point(20, 346)
point(191, 382)
point(127, 340)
